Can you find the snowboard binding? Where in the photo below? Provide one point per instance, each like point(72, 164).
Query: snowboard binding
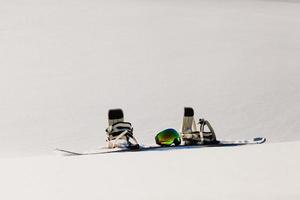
point(189, 132)
point(191, 135)
point(120, 133)
point(208, 137)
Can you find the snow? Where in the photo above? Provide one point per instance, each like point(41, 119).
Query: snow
point(269, 171)
point(65, 63)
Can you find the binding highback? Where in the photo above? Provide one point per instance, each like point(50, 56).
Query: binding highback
point(115, 116)
point(189, 124)
point(189, 133)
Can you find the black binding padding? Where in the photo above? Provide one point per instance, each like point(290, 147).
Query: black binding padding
point(115, 114)
point(188, 112)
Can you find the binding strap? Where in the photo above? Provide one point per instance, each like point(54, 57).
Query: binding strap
point(118, 128)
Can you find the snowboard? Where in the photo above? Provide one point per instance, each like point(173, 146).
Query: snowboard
point(257, 140)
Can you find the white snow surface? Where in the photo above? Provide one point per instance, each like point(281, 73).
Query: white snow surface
point(64, 63)
point(269, 171)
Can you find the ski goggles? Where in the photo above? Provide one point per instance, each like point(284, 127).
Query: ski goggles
point(168, 137)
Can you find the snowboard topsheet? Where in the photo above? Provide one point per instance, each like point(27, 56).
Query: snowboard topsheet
point(258, 140)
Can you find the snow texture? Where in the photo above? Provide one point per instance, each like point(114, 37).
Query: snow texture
point(248, 172)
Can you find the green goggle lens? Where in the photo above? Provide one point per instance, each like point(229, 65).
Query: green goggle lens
point(168, 137)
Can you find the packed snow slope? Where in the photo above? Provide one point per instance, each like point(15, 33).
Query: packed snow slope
point(234, 173)
point(65, 63)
